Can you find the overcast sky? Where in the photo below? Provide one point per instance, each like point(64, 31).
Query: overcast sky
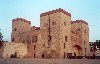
point(88, 10)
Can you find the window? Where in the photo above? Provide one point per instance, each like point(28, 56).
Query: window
point(66, 38)
point(65, 23)
point(64, 55)
point(84, 42)
point(42, 55)
point(34, 47)
point(64, 45)
point(12, 39)
point(75, 54)
point(48, 44)
point(85, 56)
point(85, 30)
point(53, 23)
point(78, 30)
point(49, 38)
point(34, 55)
point(33, 39)
point(85, 49)
point(15, 29)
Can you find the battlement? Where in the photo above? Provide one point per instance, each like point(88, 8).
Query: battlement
point(35, 28)
point(21, 19)
point(13, 43)
point(55, 11)
point(79, 21)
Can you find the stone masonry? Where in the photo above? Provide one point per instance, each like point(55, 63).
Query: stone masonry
point(57, 36)
point(11, 49)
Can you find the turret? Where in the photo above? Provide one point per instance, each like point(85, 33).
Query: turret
point(81, 29)
point(19, 25)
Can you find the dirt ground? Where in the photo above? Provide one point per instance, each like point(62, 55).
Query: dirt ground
point(49, 61)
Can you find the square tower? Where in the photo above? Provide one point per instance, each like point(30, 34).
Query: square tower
point(19, 25)
point(81, 43)
point(57, 28)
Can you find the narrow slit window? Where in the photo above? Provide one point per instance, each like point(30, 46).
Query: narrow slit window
point(65, 23)
point(49, 38)
point(13, 39)
point(53, 23)
point(64, 45)
point(66, 38)
point(34, 55)
point(64, 55)
point(33, 39)
point(34, 47)
point(15, 29)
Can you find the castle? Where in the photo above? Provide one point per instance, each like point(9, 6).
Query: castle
point(57, 36)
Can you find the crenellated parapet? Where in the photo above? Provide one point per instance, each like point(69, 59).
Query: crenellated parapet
point(55, 11)
point(21, 19)
point(35, 28)
point(79, 21)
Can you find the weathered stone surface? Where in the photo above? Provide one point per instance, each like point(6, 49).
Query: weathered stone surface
point(56, 37)
point(10, 48)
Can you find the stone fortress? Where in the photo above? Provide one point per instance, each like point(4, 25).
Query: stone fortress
point(57, 36)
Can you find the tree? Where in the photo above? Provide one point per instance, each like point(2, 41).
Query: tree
point(1, 40)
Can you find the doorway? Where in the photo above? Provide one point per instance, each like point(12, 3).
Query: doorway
point(75, 54)
point(42, 55)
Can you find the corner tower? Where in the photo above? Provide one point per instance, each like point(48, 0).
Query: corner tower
point(80, 30)
point(57, 33)
point(19, 25)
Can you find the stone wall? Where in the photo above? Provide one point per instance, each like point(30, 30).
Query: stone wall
point(57, 25)
point(10, 48)
point(80, 28)
point(56, 37)
point(1, 51)
point(19, 25)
